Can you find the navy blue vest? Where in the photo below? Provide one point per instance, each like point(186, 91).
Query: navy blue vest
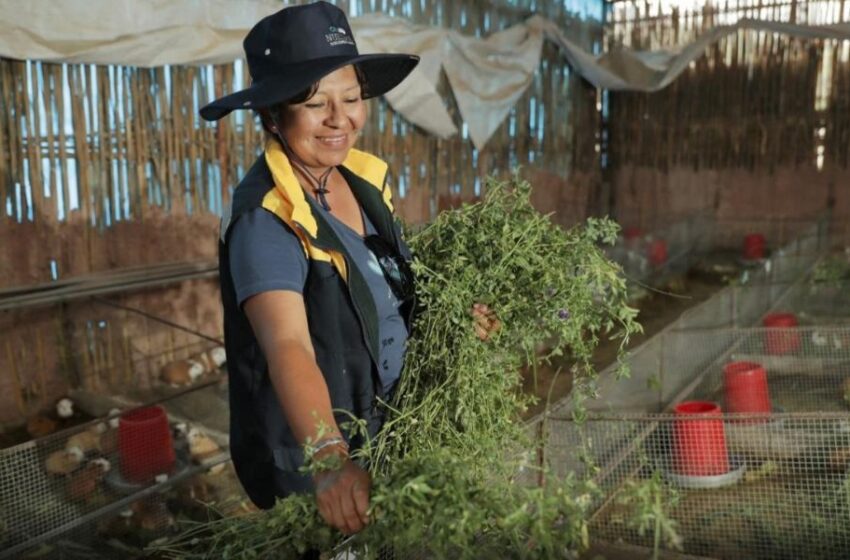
point(343, 328)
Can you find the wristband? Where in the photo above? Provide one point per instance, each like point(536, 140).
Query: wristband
point(329, 442)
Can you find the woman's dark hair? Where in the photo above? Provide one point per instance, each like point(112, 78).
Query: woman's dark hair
point(303, 96)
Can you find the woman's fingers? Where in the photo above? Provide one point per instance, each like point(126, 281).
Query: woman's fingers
point(360, 492)
point(326, 512)
point(486, 322)
point(337, 513)
point(350, 516)
point(331, 512)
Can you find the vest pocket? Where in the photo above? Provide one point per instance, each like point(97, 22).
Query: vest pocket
point(323, 270)
point(288, 458)
point(286, 478)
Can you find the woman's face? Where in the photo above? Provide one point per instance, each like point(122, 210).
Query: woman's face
point(323, 129)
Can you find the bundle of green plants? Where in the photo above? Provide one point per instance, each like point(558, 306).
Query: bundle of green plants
point(832, 271)
point(451, 471)
point(426, 507)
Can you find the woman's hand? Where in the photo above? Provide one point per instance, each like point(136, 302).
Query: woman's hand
point(342, 496)
point(486, 322)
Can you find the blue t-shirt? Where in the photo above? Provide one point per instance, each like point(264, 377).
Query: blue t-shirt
point(266, 255)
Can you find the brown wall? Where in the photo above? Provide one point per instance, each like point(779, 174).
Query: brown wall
point(566, 199)
point(27, 248)
point(646, 196)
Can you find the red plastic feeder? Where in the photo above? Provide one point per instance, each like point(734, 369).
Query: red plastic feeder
point(699, 442)
point(754, 245)
point(144, 444)
point(658, 252)
point(745, 388)
point(784, 339)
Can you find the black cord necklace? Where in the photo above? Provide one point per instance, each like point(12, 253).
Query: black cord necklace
point(319, 184)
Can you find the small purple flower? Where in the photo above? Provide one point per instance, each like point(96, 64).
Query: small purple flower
point(563, 314)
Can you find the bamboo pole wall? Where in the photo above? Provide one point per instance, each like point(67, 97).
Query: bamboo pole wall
point(756, 101)
point(98, 146)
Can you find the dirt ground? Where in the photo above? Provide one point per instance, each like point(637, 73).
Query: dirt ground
point(656, 311)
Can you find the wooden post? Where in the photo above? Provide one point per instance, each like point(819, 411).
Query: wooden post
point(16, 380)
point(42, 374)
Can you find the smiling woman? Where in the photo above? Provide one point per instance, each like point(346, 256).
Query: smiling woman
point(315, 322)
point(314, 331)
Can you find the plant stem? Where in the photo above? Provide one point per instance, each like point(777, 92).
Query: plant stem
point(656, 547)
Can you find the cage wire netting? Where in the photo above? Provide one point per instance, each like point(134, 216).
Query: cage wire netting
point(140, 448)
point(728, 484)
point(783, 489)
point(144, 342)
point(127, 465)
point(654, 256)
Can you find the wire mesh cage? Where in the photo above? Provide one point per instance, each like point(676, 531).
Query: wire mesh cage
point(94, 348)
point(129, 532)
point(754, 250)
point(117, 349)
point(804, 302)
point(780, 490)
point(752, 459)
point(817, 302)
point(143, 412)
point(61, 486)
point(656, 256)
point(731, 496)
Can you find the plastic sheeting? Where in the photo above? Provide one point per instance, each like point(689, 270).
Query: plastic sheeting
point(487, 75)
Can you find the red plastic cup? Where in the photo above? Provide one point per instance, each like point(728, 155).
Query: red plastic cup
point(144, 444)
point(784, 339)
point(745, 388)
point(699, 442)
point(754, 245)
point(658, 252)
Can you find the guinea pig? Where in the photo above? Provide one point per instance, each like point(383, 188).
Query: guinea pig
point(203, 448)
point(84, 483)
point(181, 372)
point(87, 440)
point(212, 359)
point(40, 426)
point(64, 461)
point(65, 408)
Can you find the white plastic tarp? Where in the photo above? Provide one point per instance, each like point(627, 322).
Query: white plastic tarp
point(487, 75)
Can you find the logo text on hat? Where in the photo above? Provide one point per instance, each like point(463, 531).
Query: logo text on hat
point(338, 36)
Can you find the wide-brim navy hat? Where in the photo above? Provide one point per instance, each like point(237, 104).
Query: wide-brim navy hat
point(292, 49)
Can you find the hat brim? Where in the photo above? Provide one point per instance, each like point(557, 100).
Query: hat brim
point(383, 72)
